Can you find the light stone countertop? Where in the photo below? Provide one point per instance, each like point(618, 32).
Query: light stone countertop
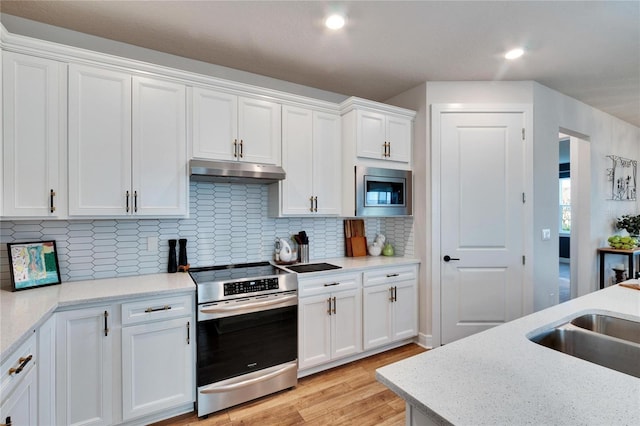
point(499, 377)
point(23, 311)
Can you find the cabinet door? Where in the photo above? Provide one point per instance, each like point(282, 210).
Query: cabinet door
point(99, 141)
point(377, 316)
point(214, 124)
point(399, 136)
point(84, 367)
point(405, 310)
point(314, 331)
point(346, 327)
point(21, 407)
point(34, 107)
point(297, 160)
point(327, 163)
point(47, 372)
point(157, 367)
point(159, 149)
point(370, 134)
point(259, 131)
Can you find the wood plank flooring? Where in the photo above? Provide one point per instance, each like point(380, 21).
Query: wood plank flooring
point(345, 395)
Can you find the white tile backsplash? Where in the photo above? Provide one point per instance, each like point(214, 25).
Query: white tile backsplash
point(228, 223)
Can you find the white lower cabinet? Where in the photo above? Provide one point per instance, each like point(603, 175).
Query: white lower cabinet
point(390, 305)
point(18, 386)
point(84, 366)
point(329, 318)
point(125, 362)
point(157, 357)
point(47, 372)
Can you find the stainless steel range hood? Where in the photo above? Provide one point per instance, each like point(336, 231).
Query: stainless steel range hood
point(235, 172)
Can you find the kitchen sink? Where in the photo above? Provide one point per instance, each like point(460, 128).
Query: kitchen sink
point(610, 326)
point(600, 339)
point(313, 267)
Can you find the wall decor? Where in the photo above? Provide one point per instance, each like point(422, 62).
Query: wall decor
point(622, 176)
point(33, 264)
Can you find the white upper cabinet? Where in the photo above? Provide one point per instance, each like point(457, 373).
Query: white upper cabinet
point(127, 145)
point(234, 128)
point(311, 157)
point(376, 134)
point(159, 149)
point(34, 150)
point(381, 136)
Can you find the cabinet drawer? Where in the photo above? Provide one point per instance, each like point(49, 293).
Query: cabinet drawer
point(17, 365)
point(156, 309)
point(386, 275)
point(328, 283)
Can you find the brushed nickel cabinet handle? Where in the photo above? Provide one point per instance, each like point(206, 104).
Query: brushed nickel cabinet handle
point(52, 194)
point(235, 148)
point(392, 275)
point(106, 326)
point(188, 332)
point(135, 201)
point(311, 202)
point(127, 196)
point(389, 152)
point(329, 310)
point(241, 149)
point(331, 284)
point(334, 305)
point(315, 200)
point(23, 361)
point(162, 308)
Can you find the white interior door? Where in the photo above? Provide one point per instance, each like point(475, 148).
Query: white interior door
point(482, 221)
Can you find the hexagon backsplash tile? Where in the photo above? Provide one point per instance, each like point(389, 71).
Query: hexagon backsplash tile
point(228, 223)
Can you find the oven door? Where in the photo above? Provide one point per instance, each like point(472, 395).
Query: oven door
point(234, 345)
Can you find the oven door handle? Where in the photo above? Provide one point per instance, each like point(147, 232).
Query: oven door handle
point(227, 309)
point(249, 382)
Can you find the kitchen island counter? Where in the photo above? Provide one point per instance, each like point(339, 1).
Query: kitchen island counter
point(500, 377)
point(24, 311)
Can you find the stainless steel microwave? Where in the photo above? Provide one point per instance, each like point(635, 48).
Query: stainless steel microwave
point(383, 192)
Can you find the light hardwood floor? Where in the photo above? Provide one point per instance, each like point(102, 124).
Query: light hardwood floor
point(345, 395)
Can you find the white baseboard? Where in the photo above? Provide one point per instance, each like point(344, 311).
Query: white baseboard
point(425, 340)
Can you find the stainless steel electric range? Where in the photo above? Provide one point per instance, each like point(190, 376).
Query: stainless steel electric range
point(247, 333)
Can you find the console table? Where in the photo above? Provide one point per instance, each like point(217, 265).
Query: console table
point(631, 254)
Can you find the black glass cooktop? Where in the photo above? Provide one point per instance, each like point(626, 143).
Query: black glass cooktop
point(234, 272)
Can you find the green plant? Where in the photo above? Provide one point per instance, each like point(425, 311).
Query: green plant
point(629, 222)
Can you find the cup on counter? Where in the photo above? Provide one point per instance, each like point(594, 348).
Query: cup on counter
point(303, 251)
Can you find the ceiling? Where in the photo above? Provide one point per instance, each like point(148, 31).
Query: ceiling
point(589, 50)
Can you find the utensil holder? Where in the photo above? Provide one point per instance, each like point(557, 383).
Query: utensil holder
point(303, 251)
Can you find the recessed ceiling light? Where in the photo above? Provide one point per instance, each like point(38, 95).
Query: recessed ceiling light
point(514, 53)
point(334, 22)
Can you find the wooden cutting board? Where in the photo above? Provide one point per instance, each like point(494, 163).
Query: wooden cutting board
point(359, 246)
point(354, 228)
point(628, 285)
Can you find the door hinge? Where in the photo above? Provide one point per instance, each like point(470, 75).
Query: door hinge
point(523, 134)
point(523, 260)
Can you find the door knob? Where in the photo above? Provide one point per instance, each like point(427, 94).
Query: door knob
point(447, 258)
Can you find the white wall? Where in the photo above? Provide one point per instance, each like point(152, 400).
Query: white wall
point(606, 135)
point(553, 111)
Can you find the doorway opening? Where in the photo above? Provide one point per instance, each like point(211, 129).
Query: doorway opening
point(577, 223)
point(564, 212)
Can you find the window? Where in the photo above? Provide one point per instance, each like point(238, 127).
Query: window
point(565, 205)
